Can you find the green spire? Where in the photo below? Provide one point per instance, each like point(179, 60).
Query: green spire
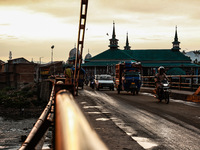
point(176, 35)
point(113, 41)
point(176, 42)
point(127, 47)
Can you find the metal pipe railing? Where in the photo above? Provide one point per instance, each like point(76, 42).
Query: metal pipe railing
point(72, 130)
point(39, 128)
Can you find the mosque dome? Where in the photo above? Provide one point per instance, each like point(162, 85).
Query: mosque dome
point(72, 53)
point(88, 56)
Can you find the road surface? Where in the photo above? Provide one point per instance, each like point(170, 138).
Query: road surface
point(146, 123)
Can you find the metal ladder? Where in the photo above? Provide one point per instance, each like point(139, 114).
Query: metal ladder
point(81, 33)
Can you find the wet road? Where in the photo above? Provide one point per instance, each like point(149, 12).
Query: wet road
point(152, 124)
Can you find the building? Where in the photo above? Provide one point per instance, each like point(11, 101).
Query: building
point(87, 57)
point(150, 59)
point(17, 72)
point(1, 64)
point(46, 70)
point(72, 56)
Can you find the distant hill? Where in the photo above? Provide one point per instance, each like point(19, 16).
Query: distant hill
point(193, 55)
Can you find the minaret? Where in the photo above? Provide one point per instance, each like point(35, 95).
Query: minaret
point(113, 41)
point(127, 47)
point(10, 55)
point(176, 42)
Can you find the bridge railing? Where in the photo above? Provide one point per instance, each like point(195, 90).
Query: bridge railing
point(72, 130)
point(181, 82)
point(40, 127)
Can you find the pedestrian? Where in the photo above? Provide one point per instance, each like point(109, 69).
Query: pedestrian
point(68, 75)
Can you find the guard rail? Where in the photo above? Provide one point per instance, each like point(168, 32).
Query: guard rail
point(181, 82)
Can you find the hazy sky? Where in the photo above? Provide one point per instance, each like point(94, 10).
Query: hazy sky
point(29, 28)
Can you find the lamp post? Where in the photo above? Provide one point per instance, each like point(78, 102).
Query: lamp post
point(52, 47)
point(40, 68)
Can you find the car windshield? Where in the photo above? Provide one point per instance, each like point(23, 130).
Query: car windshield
point(104, 78)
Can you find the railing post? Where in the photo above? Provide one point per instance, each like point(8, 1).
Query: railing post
point(180, 82)
point(192, 83)
point(170, 80)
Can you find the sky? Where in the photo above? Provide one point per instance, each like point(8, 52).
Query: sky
point(29, 28)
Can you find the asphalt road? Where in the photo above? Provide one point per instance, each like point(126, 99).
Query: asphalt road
point(129, 122)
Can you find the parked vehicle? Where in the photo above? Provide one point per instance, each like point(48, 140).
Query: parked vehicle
point(103, 81)
point(163, 91)
point(128, 77)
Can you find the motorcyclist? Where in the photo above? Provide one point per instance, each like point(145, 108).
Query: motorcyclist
point(160, 76)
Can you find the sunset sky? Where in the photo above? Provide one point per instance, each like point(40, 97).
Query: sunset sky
point(29, 28)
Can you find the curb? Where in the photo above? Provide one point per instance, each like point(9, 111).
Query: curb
point(175, 95)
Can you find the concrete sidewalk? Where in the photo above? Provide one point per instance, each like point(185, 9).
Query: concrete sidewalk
point(177, 94)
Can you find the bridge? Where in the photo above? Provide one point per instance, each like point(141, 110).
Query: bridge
point(70, 128)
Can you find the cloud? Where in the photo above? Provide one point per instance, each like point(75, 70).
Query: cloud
point(4, 24)
point(56, 8)
point(149, 39)
point(12, 37)
point(103, 10)
point(6, 37)
point(61, 9)
point(149, 6)
point(19, 2)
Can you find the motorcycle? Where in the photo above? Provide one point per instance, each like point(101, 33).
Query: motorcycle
point(164, 91)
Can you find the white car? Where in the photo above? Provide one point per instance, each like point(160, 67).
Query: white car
point(103, 81)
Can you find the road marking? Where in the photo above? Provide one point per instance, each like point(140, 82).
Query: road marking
point(146, 143)
point(102, 119)
point(193, 104)
point(94, 112)
point(86, 107)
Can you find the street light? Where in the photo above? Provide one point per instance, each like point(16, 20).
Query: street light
point(52, 47)
point(40, 68)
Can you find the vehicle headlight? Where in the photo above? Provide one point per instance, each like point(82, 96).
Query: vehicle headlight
point(165, 84)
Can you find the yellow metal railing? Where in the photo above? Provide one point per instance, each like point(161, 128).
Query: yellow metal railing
point(186, 82)
point(72, 130)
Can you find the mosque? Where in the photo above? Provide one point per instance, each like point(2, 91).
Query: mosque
point(175, 62)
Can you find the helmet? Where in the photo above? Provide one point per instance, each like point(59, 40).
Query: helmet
point(161, 69)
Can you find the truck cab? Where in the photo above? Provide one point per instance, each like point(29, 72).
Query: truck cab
point(103, 81)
